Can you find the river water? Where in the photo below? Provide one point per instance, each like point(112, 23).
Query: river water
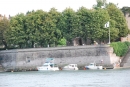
point(80, 78)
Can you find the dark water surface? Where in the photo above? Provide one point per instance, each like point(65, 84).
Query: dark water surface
point(81, 78)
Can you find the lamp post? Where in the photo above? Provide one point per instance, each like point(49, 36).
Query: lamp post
point(107, 25)
point(109, 37)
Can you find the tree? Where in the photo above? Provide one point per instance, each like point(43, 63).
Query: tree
point(84, 16)
point(99, 18)
point(55, 17)
point(118, 17)
point(15, 35)
point(125, 10)
point(104, 17)
point(4, 25)
point(92, 23)
point(42, 27)
point(100, 4)
point(35, 27)
point(69, 24)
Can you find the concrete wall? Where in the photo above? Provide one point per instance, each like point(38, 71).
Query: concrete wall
point(81, 55)
point(127, 16)
point(126, 60)
point(127, 38)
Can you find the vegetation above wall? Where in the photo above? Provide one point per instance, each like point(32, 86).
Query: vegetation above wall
point(120, 48)
point(41, 29)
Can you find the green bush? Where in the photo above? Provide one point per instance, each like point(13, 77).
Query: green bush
point(120, 48)
point(62, 42)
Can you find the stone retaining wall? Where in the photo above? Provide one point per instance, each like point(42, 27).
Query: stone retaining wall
point(81, 55)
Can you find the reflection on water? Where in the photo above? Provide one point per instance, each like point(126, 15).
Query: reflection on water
point(81, 78)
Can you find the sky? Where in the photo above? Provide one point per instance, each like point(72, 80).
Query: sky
point(13, 7)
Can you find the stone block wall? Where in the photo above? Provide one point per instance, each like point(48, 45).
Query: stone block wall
point(34, 57)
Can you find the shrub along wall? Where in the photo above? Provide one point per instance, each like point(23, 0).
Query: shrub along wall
point(120, 48)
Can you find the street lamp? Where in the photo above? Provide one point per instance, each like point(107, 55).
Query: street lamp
point(109, 36)
point(107, 25)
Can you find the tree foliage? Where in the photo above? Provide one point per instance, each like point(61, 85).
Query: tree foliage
point(69, 24)
point(41, 28)
point(15, 35)
point(96, 28)
point(100, 4)
point(118, 17)
point(55, 17)
point(120, 48)
point(84, 16)
point(4, 25)
point(92, 23)
point(62, 42)
point(125, 10)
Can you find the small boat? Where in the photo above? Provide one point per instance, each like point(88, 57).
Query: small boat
point(93, 66)
point(70, 67)
point(48, 66)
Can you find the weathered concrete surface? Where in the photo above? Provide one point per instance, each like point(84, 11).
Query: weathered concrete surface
point(126, 60)
point(1, 69)
point(81, 55)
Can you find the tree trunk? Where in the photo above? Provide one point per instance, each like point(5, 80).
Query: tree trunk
point(32, 44)
point(5, 44)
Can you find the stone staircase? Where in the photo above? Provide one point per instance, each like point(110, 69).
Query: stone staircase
point(126, 60)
